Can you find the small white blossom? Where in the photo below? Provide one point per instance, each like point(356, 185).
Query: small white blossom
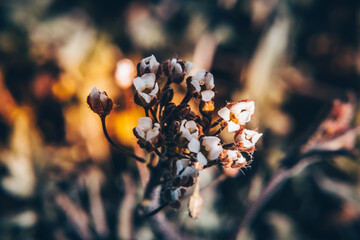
point(203, 83)
point(184, 170)
point(237, 114)
point(189, 129)
point(236, 156)
point(208, 148)
point(146, 87)
point(175, 194)
point(148, 65)
point(147, 130)
point(247, 138)
point(177, 68)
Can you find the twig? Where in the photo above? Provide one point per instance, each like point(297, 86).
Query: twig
point(277, 181)
point(153, 114)
point(121, 148)
point(155, 211)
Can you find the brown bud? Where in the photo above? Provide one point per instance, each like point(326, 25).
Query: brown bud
point(99, 102)
point(167, 95)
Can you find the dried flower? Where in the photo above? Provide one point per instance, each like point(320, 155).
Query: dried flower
point(237, 114)
point(99, 102)
point(146, 88)
point(208, 148)
point(203, 83)
point(246, 140)
point(148, 65)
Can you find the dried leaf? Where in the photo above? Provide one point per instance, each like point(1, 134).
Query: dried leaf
point(195, 201)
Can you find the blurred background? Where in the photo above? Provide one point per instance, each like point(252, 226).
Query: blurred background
point(59, 178)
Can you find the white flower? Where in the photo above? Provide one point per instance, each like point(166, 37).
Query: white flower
point(236, 156)
point(236, 114)
point(189, 129)
point(247, 139)
point(175, 194)
point(147, 130)
point(184, 170)
point(203, 83)
point(146, 87)
point(178, 67)
point(148, 65)
point(208, 148)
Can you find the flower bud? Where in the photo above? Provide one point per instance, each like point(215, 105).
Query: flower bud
point(167, 95)
point(176, 69)
point(148, 65)
point(99, 102)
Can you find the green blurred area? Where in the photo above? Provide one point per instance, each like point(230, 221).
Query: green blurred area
point(59, 178)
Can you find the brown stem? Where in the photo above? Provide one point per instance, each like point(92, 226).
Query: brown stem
point(119, 147)
point(159, 153)
point(155, 211)
point(154, 115)
point(218, 131)
point(187, 98)
point(217, 122)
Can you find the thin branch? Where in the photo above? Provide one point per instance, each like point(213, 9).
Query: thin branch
point(159, 153)
point(154, 115)
point(119, 147)
point(277, 181)
point(217, 122)
point(155, 211)
point(187, 98)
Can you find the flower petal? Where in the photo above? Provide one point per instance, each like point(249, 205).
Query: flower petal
point(94, 93)
point(194, 145)
point(201, 158)
point(188, 67)
point(155, 90)
point(179, 166)
point(241, 159)
point(139, 84)
point(215, 152)
point(232, 154)
point(207, 95)
point(196, 84)
point(224, 113)
point(199, 76)
point(145, 123)
point(189, 171)
point(151, 135)
point(233, 127)
point(140, 132)
point(146, 97)
point(210, 141)
point(177, 69)
point(209, 81)
point(148, 79)
point(154, 65)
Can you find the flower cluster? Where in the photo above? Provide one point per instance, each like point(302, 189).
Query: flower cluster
point(188, 142)
point(184, 141)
